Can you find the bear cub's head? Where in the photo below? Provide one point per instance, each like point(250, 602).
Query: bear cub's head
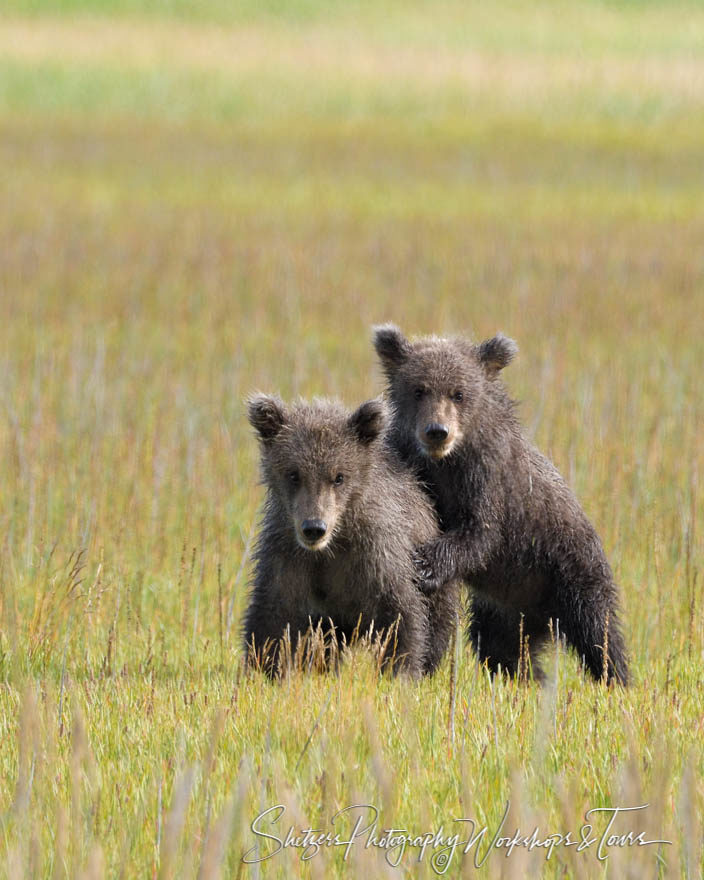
point(437, 386)
point(316, 458)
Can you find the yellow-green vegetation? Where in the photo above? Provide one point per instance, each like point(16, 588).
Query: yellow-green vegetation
point(201, 199)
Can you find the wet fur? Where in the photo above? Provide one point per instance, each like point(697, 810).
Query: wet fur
point(365, 576)
point(511, 526)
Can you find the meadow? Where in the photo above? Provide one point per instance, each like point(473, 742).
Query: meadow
point(200, 200)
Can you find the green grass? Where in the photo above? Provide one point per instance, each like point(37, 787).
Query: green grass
point(204, 199)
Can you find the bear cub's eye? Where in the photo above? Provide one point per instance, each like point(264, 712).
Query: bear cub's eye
point(457, 396)
point(339, 479)
point(418, 393)
point(294, 477)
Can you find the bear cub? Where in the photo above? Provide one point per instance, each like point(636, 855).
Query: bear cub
point(512, 529)
point(341, 522)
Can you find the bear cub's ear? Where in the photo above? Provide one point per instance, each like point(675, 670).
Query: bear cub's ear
point(368, 421)
point(266, 414)
point(496, 353)
point(391, 345)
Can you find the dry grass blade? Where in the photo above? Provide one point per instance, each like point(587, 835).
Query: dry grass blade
point(173, 826)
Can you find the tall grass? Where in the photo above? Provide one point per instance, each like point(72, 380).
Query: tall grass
point(197, 203)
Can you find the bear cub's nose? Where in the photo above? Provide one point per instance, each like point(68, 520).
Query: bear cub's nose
point(313, 529)
point(435, 431)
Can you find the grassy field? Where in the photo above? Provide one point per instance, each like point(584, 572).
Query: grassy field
point(198, 200)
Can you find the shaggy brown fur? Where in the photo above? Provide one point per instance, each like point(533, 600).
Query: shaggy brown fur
point(512, 527)
point(341, 521)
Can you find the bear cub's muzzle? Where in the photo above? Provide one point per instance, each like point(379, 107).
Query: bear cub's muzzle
point(313, 531)
point(435, 440)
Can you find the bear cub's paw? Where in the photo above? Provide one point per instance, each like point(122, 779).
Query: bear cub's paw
point(428, 561)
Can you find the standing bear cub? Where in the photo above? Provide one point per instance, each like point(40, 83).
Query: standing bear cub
point(511, 526)
point(342, 518)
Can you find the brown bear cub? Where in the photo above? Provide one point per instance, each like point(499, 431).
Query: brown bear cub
point(511, 526)
point(341, 522)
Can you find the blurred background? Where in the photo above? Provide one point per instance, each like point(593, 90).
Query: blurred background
point(199, 199)
point(203, 199)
